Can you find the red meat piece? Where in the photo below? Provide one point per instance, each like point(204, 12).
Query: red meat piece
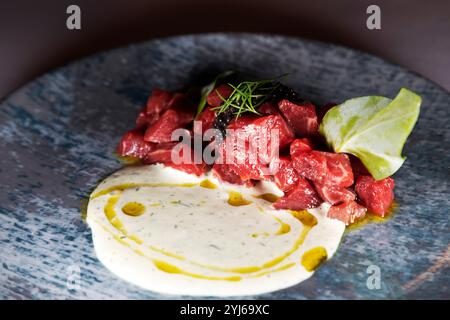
point(158, 102)
point(188, 165)
point(377, 196)
point(285, 176)
point(347, 212)
point(301, 117)
point(181, 102)
point(249, 146)
point(144, 120)
point(161, 153)
point(268, 108)
point(132, 144)
point(242, 160)
point(242, 122)
point(215, 98)
point(171, 119)
point(324, 168)
point(358, 167)
point(225, 173)
point(302, 197)
point(274, 122)
point(299, 146)
point(324, 109)
point(206, 117)
point(334, 194)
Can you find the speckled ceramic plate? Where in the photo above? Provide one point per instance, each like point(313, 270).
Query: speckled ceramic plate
point(58, 134)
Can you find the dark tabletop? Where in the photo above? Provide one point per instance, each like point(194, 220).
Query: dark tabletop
point(34, 37)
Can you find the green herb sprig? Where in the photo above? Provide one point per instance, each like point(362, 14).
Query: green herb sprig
point(247, 96)
point(206, 90)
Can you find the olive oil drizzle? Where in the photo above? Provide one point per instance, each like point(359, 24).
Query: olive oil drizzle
point(283, 267)
point(170, 268)
point(236, 199)
point(269, 197)
point(373, 218)
point(284, 227)
point(111, 215)
point(124, 186)
point(208, 184)
point(167, 267)
point(304, 217)
point(307, 219)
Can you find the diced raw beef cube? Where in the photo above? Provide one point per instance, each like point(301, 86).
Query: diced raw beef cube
point(243, 122)
point(144, 120)
point(215, 98)
point(161, 130)
point(206, 117)
point(132, 144)
point(302, 197)
point(347, 212)
point(162, 153)
point(285, 176)
point(300, 145)
point(268, 108)
point(181, 102)
point(247, 167)
point(377, 196)
point(158, 102)
point(188, 165)
point(301, 117)
point(324, 167)
point(334, 194)
point(225, 173)
point(274, 122)
point(250, 147)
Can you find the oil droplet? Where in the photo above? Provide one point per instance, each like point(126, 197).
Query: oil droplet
point(312, 258)
point(265, 234)
point(270, 197)
point(236, 199)
point(155, 204)
point(133, 209)
point(208, 184)
point(305, 217)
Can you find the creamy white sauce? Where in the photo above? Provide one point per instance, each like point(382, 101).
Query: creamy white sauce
point(191, 241)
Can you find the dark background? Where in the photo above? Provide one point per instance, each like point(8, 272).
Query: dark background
point(34, 37)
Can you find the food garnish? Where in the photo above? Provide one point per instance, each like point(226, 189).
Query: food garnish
point(374, 129)
point(247, 96)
